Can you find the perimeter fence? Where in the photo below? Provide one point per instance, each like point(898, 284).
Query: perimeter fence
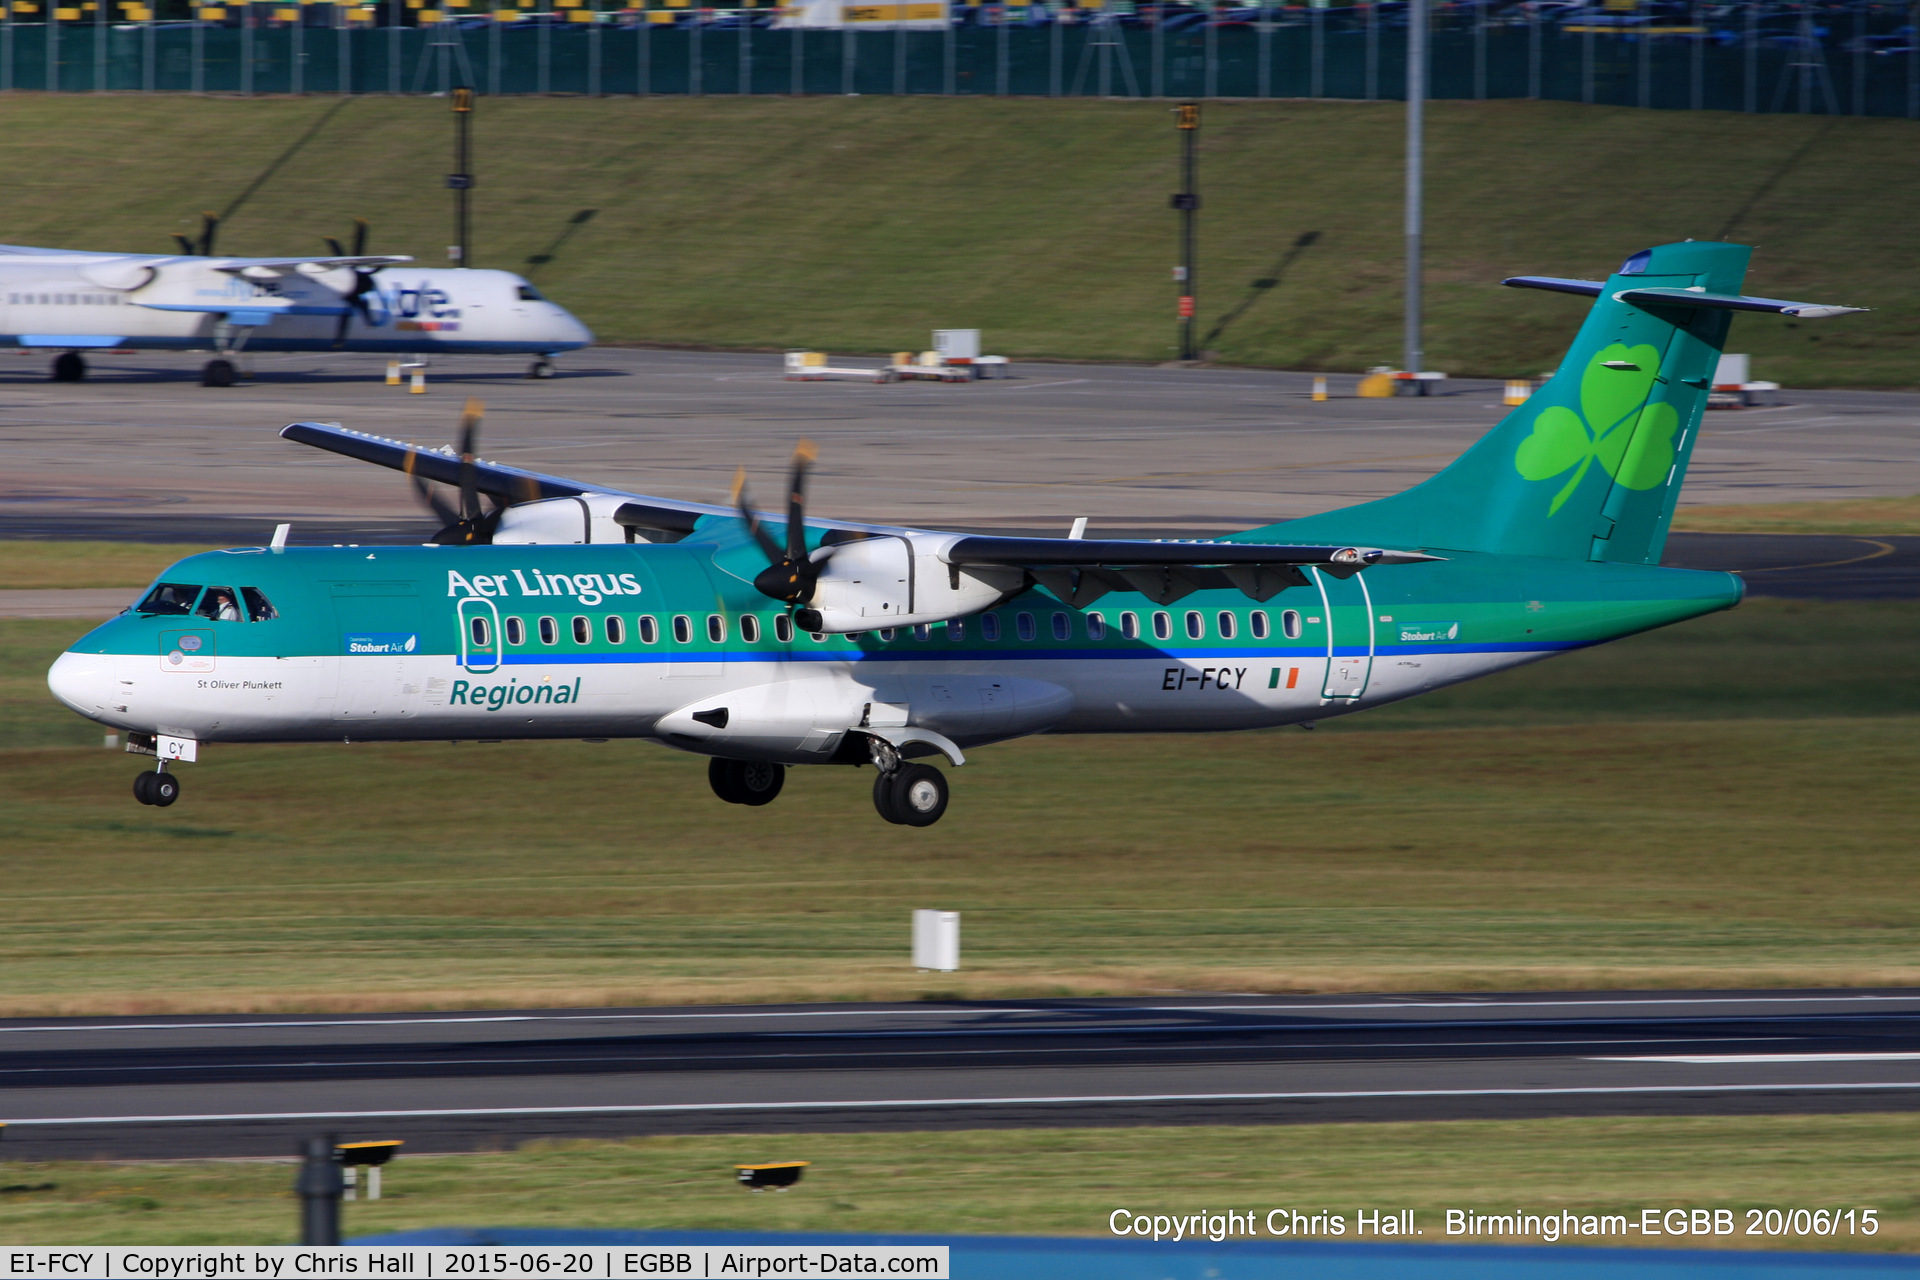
point(1854, 59)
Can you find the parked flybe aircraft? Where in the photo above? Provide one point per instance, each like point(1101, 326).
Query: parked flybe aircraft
point(70, 302)
point(558, 609)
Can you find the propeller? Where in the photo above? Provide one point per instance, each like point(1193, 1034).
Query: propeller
point(468, 523)
point(791, 574)
point(363, 284)
point(209, 223)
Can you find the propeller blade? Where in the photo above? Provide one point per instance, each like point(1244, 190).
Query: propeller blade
point(446, 514)
point(359, 237)
point(803, 455)
point(209, 224)
point(469, 431)
point(186, 245)
point(334, 245)
point(760, 535)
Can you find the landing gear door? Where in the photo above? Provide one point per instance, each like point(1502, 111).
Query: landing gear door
point(1350, 635)
point(480, 640)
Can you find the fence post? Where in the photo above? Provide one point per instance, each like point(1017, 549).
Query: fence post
point(1479, 50)
point(494, 42)
point(1913, 62)
point(1586, 64)
point(1750, 94)
point(343, 44)
point(797, 59)
point(1646, 70)
point(297, 49)
point(1317, 73)
point(1054, 52)
point(949, 54)
point(643, 54)
point(745, 60)
point(1697, 61)
point(1264, 87)
point(1859, 62)
point(543, 74)
point(593, 53)
point(899, 61)
point(1533, 54)
point(394, 14)
point(849, 59)
point(53, 47)
point(1373, 52)
point(6, 50)
point(1210, 48)
point(100, 47)
point(1157, 49)
point(1002, 57)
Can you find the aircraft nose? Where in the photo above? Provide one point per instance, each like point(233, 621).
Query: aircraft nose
point(571, 331)
point(81, 681)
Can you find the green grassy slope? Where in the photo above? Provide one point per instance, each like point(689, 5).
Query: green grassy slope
point(1704, 805)
point(1051, 1181)
point(861, 224)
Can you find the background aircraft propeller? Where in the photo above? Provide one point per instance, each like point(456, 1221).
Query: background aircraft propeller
point(791, 574)
point(363, 284)
point(209, 224)
point(468, 523)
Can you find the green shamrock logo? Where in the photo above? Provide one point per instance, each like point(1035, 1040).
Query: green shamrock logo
point(1613, 399)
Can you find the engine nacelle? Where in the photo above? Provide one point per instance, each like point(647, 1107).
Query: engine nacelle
point(564, 521)
point(900, 581)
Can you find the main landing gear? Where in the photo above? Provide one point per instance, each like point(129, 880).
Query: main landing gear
point(156, 788)
point(68, 366)
point(219, 373)
point(913, 795)
point(750, 782)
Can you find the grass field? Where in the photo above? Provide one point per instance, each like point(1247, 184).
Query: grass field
point(1054, 1182)
point(1730, 802)
point(1862, 516)
point(860, 224)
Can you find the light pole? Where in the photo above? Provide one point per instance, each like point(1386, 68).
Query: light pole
point(1187, 201)
point(1412, 357)
point(461, 179)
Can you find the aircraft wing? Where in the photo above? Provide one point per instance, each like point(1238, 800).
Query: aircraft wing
point(1696, 298)
point(269, 268)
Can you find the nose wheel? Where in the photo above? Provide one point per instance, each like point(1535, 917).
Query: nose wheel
point(156, 788)
point(540, 370)
point(914, 795)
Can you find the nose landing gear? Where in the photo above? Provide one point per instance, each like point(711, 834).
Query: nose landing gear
point(156, 788)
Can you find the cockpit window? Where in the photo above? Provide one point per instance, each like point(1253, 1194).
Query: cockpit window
point(169, 598)
point(220, 604)
point(259, 608)
point(530, 294)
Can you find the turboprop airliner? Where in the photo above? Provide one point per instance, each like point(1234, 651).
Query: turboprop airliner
point(71, 302)
point(558, 609)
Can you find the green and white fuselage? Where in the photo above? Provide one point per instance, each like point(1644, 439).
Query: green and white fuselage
point(587, 613)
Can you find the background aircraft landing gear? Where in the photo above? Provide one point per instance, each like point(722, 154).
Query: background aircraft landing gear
point(914, 795)
point(540, 370)
point(68, 366)
point(218, 373)
point(156, 788)
point(749, 782)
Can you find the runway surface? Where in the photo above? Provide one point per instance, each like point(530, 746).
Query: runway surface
point(252, 1086)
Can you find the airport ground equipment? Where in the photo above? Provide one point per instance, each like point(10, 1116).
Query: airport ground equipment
point(936, 940)
point(371, 1156)
point(548, 607)
point(812, 366)
point(779, 1175)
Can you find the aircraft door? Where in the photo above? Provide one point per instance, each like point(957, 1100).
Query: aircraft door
point(1350, 635)
point(380, 650)
point(479, 621)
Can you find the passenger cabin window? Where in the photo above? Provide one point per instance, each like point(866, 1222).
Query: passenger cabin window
point(682, 629)
point(527, 293)
point(516, 631)
point(1290, 624)
point(259, 608)
point(956, 631)
point(749, 628)
point(783, 628)
point(1096, 627)
point(649, 629)
point(1162, 626)
point(989, 626)
point(1225, 621)
point(1023, 623)
point(923, 632)
point(716, 628)
point(481, 632)
point(220, 604)
point(886, 635)
point(616, 629)
point(1196, 625)
point(1130, 626)
point(582, 630)
point(169, 599)
point(1257, 624)
point(1062, 626)
point(549, 631)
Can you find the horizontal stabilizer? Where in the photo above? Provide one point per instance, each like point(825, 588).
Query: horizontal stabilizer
point(1693, 297)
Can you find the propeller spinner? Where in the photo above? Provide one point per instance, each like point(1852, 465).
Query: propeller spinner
point(791, 574)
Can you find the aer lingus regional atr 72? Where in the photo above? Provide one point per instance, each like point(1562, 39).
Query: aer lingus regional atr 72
point(567, 610)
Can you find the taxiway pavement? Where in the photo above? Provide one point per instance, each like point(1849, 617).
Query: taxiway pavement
point(252, 1086)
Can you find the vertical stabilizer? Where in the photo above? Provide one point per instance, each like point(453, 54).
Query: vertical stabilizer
point(1590, 466)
